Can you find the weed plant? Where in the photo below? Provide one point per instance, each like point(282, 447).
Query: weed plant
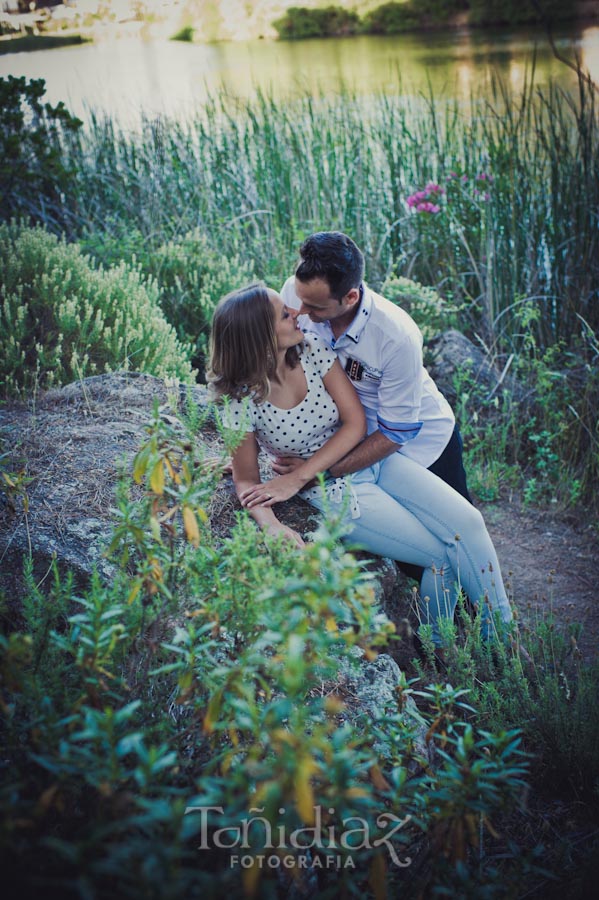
point(545, 690)
point(148, 716)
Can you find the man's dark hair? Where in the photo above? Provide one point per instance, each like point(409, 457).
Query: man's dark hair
point(334, 257)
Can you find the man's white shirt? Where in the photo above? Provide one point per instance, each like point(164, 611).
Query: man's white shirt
point(381, 351)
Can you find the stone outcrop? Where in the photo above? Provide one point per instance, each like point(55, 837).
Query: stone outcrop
point(452, 352)
point(73, 443)
point(376, 691)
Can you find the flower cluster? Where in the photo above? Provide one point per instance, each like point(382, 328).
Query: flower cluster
point(481, 180)
point(429, 199)
point(422, 201)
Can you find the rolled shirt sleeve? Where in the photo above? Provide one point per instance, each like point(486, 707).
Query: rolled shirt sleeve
point(400, 391)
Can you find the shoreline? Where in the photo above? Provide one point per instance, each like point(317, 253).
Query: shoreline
point(148, 31)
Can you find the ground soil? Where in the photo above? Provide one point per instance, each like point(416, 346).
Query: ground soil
point(549, 559)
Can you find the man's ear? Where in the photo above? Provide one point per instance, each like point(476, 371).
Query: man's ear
point(352, 297)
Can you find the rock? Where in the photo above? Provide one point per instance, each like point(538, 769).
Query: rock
point(73, 443)
point(452, 352)
point(374, 689)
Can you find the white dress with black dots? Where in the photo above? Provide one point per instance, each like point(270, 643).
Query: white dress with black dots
point(303, 429)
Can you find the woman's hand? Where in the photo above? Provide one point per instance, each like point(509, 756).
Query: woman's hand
point(277, 529)
point(274, 491)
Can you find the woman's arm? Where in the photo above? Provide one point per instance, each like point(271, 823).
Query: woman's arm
point(245, 475)
point(350, 432)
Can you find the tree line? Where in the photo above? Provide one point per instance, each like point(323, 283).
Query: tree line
point(395, 17)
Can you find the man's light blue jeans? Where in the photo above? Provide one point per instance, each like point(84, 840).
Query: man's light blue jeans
point(405, 512)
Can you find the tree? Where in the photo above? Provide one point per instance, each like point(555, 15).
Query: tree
point(34, 173)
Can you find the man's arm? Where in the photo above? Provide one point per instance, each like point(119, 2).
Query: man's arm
point(372, 449)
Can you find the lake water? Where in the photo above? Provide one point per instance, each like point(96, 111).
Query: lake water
point(129, 76)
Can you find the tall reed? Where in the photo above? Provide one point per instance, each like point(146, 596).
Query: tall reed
point(518, 224)
point(494, 202)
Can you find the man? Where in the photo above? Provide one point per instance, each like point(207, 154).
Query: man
point(380, 348)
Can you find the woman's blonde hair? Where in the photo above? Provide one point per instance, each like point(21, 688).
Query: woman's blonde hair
point(243, 345)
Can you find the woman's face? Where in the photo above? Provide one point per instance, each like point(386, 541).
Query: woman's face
point(287, 331)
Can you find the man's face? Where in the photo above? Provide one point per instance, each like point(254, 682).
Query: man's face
point(318, 304)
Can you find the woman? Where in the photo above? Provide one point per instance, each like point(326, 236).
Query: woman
point(300, 403)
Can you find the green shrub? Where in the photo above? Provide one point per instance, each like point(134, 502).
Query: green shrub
point(432, 313)
point(301, 22)
point(552, 697)
point(190, 275)
point(62, 319)
point(185, 34)
point(35, 174)
point(391, 18)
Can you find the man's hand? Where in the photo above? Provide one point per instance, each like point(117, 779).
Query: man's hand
point(285, 465)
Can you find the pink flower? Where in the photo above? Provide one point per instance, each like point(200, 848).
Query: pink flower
point(420, 200)
point(416, 198)
point(452, 176)
point(428, 207)
point(485, 176)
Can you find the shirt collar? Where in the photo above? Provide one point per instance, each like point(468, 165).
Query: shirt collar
point(362, 316)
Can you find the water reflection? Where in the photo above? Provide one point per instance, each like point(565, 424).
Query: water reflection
point(127, 77)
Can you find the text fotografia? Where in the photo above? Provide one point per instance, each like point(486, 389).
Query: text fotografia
point(289, 861)
point(256, 831)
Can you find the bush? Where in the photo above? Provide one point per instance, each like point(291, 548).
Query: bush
point(391, 18)
point(35, 175)
point(62, 319)
point(332, 21)
point(185, 34)
point(190, 275)
point(431, 312)
point(553, 699)
point(206, 676)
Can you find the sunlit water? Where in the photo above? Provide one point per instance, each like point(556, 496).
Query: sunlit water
point(128, 77)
